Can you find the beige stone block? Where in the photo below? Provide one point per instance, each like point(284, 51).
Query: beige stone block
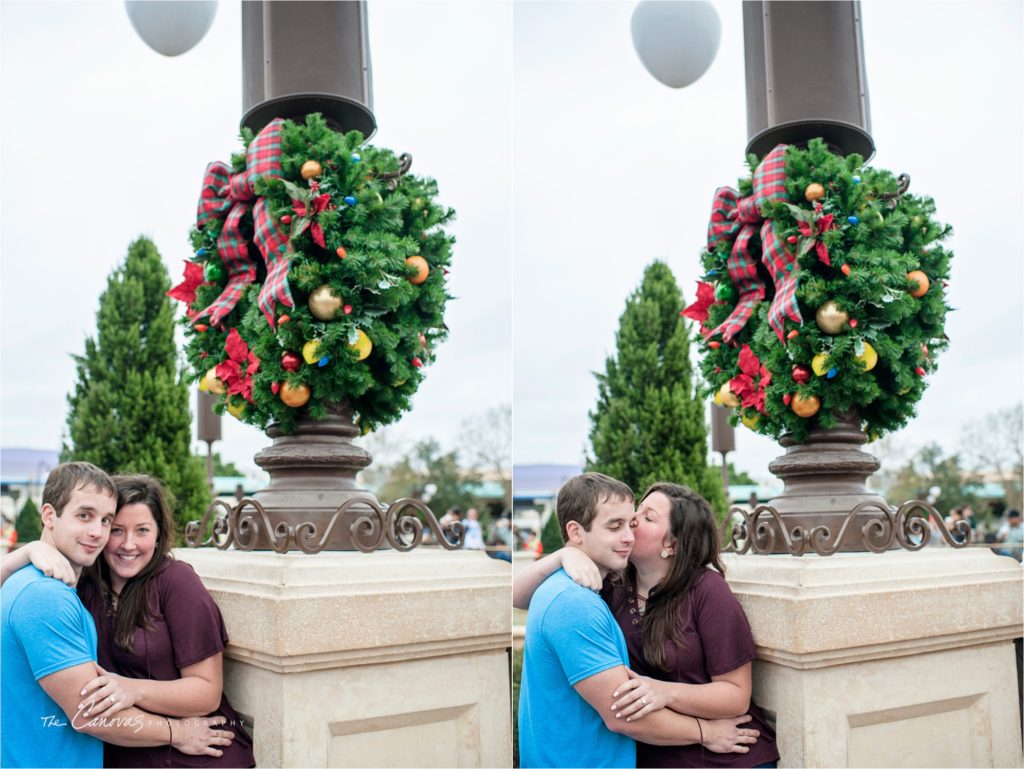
point(892, 659)
point(354, 659)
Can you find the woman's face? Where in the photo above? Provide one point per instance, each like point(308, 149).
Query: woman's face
point(653, 527)
point(132, 542)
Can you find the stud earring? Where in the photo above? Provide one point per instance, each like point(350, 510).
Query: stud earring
point(664, 553)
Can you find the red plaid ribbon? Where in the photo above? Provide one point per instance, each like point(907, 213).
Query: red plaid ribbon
point(736, 219)
point(232, 196)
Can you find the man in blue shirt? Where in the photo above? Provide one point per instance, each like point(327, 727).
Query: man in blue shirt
point(49, 645)
point(575, 654)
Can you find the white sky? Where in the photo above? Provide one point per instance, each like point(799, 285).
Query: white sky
point(104, 140)
point(552, 143)
point(613, 170)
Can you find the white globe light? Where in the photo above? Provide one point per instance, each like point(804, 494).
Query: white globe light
point(171, 27)
point(676, 40)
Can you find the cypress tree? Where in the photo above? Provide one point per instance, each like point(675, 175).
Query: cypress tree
point(129, 412)
point(649, 424)
point(29, 526)
point(551, 535)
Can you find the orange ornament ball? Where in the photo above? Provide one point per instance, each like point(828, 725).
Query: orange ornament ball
point(813, 192)
point(805, 405)
point(294, 395)
point(916, 276)
point(421, 267)
point(311, 169)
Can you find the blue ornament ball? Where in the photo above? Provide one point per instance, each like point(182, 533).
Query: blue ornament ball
point(356, 157)
point(856, 180)
point(323, 361)
point(349, 200)
point(832, 372)
point(853, 220)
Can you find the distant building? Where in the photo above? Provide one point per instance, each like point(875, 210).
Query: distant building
point(23, 475)
point(534, 491)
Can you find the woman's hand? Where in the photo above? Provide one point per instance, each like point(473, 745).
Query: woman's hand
point(197, 737)
point(580, 568)
point(639, 696)
point(51, 562)
point(725, 735)
point(107, 694)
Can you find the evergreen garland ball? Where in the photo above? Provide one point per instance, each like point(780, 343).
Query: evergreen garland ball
point(324, 304)
point(831, 319)
point(918, 277)
point(363, 216)
point(419, 264)
point(294, 396)
point(875, 254)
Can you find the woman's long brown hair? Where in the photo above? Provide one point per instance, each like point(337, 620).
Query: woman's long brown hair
point(133, 605)
point(692, 523)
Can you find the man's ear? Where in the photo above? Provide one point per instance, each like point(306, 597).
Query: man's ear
point(574, 533)
point(47, 514)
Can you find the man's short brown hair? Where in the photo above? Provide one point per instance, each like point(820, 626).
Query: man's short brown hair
point(65, 478)
point(579, 497)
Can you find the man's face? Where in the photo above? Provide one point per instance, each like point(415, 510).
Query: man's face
point(82, 529)
point(610, 539)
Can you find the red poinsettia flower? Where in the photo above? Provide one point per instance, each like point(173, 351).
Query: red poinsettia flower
point(318, 205)
point(705, 298)
point(750, 385)
point(821, 226)
point(186, 290)
point(236, 372)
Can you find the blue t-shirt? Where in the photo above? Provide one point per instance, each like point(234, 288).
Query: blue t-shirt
point(570, 636)
point(45, 629)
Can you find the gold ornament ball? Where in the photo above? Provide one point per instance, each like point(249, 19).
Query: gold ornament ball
point(805, 405)
point(726, 397)
point(916, 276)
point(363, 346)
point(831, 319)
point(751, 422)
point(311, 169)
point(422, 269)
point(813, 192)
point(819, 364)
point(213, 384)
point(868, 359)
point(324, 304)
point(294, 395)
point(311, 351)
point(236, 409)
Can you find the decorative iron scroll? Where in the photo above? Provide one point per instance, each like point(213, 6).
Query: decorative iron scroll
point(404, 164)
point(398, 524)
point(908, 525)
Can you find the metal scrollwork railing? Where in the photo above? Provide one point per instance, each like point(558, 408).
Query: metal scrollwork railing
point(400, 525)
point(907, 525)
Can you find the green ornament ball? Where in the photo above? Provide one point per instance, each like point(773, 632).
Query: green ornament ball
point(213, 272)
point(725, 292)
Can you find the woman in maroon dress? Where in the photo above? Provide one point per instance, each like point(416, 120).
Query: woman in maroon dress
point(690, 646)
point(161, 637)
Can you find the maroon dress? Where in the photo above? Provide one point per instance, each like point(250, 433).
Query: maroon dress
point(716, 639)
point(187, 628)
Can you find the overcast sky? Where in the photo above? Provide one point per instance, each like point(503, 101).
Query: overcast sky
point(613, 170)
point(569, 166)
point(104, 139)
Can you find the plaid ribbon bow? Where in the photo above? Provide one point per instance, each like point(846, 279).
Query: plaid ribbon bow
point(737, 219)
point(226, 195)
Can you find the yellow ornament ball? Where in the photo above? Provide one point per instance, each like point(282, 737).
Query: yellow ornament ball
point(294, 395)
point(726, 397)
point(236, 409)
point(819, 364)
point(813, 192)
point(324, 303)
point(311, 169)
point(311, 351)
point(805, 405)
point(868, 359)
point(751, 422)
point(213, 384)
point(363, 346)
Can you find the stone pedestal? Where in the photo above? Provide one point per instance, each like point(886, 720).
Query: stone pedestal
point(366, 660)
point(895, 659)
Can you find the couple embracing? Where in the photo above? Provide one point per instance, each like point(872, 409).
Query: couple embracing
point(112, 650)
point(637, 653)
